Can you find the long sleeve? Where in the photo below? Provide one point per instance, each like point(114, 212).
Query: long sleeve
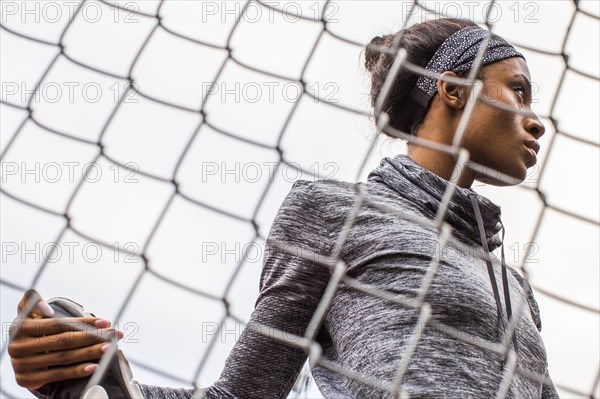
point(548, 389)
point(290, 289)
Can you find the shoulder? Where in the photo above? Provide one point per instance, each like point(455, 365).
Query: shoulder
point(323, 190)
point(324, 198)
point(310, 211)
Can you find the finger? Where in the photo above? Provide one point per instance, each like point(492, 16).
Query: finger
point(33, 305)
point(25, 309)
point(29, 300)
point(58, 358)
point(60, 342)
point(37, 379)
point(42, 327)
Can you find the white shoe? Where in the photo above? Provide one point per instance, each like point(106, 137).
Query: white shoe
point(95, 392)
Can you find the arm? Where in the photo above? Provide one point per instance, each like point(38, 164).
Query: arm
point(258, 366)
point(290, 289)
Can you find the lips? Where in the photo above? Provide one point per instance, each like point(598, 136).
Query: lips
point(534, 145)
point(532, 148)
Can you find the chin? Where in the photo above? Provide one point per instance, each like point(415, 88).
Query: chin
point(501, 183)
point(516, 174)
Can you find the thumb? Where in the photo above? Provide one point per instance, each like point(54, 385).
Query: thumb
point(33, 305)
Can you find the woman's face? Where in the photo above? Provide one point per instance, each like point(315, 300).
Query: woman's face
point(499, 139)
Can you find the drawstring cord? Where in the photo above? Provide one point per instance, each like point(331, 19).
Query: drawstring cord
point(490, 270)
point(506, 289)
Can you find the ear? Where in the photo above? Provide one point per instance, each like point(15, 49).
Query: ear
point(452, 94)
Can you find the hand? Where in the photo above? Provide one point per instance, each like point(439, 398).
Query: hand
point(44, 350)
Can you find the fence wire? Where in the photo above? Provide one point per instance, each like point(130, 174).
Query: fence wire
point(334, 262)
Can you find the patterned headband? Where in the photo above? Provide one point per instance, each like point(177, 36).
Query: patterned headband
point(456, 54)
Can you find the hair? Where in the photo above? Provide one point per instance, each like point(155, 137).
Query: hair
point(420, 41)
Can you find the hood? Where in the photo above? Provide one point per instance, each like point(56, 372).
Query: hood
point(471, 215)
point(426, 189)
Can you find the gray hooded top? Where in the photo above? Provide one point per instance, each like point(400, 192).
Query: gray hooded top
point(369, 335)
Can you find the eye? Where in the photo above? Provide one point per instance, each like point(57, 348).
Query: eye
point(521, 92)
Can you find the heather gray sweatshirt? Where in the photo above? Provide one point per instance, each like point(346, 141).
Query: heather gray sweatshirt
point(368, 335)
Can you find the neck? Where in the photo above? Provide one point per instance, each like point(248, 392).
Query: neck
point(439, 126)
point(440, 163)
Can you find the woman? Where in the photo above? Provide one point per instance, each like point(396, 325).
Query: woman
point(461, 326)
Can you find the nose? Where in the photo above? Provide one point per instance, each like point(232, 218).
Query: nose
point(534, 126)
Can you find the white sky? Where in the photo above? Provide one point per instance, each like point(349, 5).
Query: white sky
point(78, 102)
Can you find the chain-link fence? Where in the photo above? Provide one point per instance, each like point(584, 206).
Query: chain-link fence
point(119, 161)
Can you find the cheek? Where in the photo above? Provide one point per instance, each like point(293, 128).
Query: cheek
point(491, 123)
point(499, 92)
point(494, 92)
point(487, 123)
point(490, 133)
